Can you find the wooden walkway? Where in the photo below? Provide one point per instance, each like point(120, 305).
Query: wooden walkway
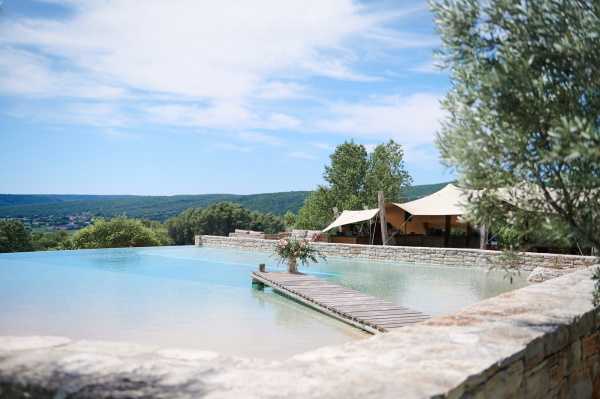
point(360, 310)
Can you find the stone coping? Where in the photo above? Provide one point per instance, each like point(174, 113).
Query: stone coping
point(528, 261)
point(495, 348)
point(407, 247)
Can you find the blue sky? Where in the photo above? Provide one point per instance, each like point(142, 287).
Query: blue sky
point(188, 97)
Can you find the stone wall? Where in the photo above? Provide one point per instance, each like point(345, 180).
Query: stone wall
point(541, 341)
point(438, 256)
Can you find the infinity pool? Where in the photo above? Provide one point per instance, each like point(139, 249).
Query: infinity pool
point(201, 298)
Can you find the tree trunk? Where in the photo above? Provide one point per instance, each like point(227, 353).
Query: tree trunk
point(382, 219)
point(292, 265)
point(483, 237)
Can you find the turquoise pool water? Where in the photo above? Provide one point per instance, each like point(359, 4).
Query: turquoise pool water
point(201, 298)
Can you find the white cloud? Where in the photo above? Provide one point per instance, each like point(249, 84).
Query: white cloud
point(201, 49)
point(226, 114)
point(256, 137)
point(105, 115)
point(412, 119)
point(119, 134)
point(100, 114)
point(223, 114)
point(323, 146)
point(393, 38)
point(216, 50)
point(430, 67)
point(210, 64)
point(301, 155)
point(26, 73)
point(281, 90)
point(281, 121)
point(232, 147)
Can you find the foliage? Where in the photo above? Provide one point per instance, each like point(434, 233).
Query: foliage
point(160, 230)
point(386, 172)
point(298, 250)
point(354, 177)
point(289, 219)
point(115, 233)
point(317, 211)
point(50, 240)
point(14, 237)
point(220, 219)
point(346, 175)
point(144, 207)
point(523, 111)
point(509, 261)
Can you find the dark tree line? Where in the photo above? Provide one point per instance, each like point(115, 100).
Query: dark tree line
point(220, 219)
point(217, 219)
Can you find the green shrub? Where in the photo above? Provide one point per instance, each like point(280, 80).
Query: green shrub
point(14, 237)
point(117, 232)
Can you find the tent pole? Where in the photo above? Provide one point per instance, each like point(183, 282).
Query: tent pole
point(447, 228)
point(468, 235)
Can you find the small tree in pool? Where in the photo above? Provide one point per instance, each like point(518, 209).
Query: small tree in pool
point(290, 251)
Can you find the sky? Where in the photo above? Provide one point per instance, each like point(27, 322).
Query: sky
point(162, 97)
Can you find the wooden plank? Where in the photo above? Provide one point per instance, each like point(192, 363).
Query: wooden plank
point(361, 310)
point(396, 325)
point(321, 292)
point(355, 305)
point(383, 311)
point(383, 315)
point(341, 295)
point(393, 320)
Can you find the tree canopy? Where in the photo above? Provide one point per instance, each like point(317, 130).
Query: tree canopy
point(354, 177)
point(220, 219)
point(119, 232)
point(51, 240)
point(14, 237)
point(524, 112)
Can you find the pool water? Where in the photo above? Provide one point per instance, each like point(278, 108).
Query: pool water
point(202, 298)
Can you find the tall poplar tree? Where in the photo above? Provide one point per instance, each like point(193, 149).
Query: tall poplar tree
point(353, 178)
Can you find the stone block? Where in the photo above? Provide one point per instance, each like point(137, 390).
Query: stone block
point(558, 369)
point(536, 381)
point(579, 384)
point(574, 358)
point(505, 383)
point(534, 353)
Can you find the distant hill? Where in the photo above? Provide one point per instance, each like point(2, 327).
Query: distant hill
point(27, 199)
point(158, 207)
point(147, 207)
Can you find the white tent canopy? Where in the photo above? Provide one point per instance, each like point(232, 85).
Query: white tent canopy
point(350, 217)
point(450, 200)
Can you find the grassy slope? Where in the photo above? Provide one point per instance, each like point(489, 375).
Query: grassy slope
point(159, 207)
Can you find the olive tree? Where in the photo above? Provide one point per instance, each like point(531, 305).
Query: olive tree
point(523, 120)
